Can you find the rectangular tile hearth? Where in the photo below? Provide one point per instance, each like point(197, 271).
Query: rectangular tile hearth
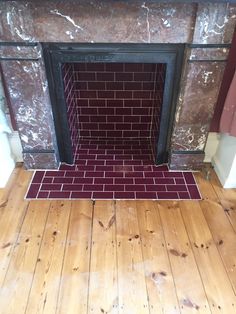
point(108, 169)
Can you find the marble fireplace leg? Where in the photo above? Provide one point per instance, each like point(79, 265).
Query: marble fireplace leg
point(24, 74)
point(200, 84)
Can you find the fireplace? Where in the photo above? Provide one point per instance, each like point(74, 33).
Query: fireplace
point(41, 43)
point(114, 94)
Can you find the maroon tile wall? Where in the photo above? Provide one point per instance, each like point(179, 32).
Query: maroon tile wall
point(157, 104)
point(72, 114)
point(114, 100)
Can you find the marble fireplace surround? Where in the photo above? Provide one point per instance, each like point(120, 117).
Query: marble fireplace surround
point(205, 28)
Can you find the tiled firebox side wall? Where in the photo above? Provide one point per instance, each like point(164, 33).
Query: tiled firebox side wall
point(160, 71)
point(72, 114)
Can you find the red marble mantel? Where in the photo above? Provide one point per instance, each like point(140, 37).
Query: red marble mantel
point(118, 22)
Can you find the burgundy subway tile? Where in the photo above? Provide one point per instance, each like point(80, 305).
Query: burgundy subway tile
point(56, 173)
point(74, 174)
point(50, 187)
point(88, 157)
point(176, 188)
point(114, 67)
point(105, 76)
point(86, 76)
point(123, 111)
point(98, 133)
point(125, 76)
point(141, 111)
point(97, 102)
point(124, 195)
point(80, 195)
point(114, 187)
point(88, 94)
point(142, 168)
point(63, 194)
point(80, 162)
point(72, 187)
point(164, 181)
point(155, 187)
point(106, 111)
point(33, 190)
point(114, 86)
point(133, 67)
point(103, 195)
point(47, 180)
point(130, 133)
point(132, 162)
point(123, 126)
point(83, 181)
point(114, 162)
point(148, 86)
point(113, 174)
point(134, 187)
point(98, 118)
point(86, 168)
point(115, 119)
point(137, 174)
point(124, 181)
point(153, 174)
point(131, 119)
point(144, 181)
point(193, 191)
point(114, 103)
point(106, 94)
point(133, 86)
point(124, 94)
point(167, 195)
point(147, 103)
point(79, 66)
point(179, 181)
point(96, 85)
point(89, 111)
point(142, 94)
point(103, 181)
point(90, 126)
point(105, 157)
point(115, 133)
point(189, 177)
point(132, 103)
point(93, 187)
point(94, 174)
point(38, 176)
point(146, 195)
point(184, 195)
point(143, 76)
point(62, 180)
point(95, 67)
point(96, 162)
point(106, 126)
point(43, 194)
point(81, 85)
point(104, 168)
point(123, 168)
point(172, 174)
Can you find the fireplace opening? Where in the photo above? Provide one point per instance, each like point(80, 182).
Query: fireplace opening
point(114, 102)
point(114, 110)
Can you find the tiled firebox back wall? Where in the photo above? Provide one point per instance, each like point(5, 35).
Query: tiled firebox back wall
point(115, 100)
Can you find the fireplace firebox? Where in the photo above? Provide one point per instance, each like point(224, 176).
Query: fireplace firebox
point(114, 93)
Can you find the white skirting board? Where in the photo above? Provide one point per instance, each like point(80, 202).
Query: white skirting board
point(224, 161)
point(16, 147)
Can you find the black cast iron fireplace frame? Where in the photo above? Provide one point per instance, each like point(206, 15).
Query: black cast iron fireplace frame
point(56, 54)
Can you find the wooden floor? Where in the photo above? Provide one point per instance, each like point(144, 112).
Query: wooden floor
point(117, 257)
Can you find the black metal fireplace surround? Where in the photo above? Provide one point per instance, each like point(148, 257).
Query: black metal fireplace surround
point(55, 55)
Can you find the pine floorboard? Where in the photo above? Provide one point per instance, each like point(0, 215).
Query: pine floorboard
point(117, 256)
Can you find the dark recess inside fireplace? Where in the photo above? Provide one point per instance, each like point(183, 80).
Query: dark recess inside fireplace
point(114, 94)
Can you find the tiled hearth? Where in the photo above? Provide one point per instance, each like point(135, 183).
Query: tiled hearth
point(113, 170)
